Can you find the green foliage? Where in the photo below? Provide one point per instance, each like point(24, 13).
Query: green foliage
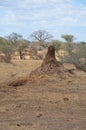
point(57, 44)
point(21, 45)
point(18, 42)
point(3, 41)
point(77, 56)
point(68, 38)
point(76, 53)
point(6, 49)
point(13, 38)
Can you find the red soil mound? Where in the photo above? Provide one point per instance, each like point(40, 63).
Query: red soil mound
point(50, 65)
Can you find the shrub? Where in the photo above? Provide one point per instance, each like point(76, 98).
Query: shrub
point(6, 51)
point(77, 56)
point(57, 44)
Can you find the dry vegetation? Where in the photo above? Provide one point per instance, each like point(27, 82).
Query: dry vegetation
point(18, 68)
point(47, 103)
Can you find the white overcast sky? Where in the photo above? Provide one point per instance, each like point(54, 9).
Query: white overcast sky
point(55, 16)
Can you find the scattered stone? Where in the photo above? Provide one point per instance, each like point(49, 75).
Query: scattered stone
point(18, 125)
point(39, 115)
point(66, 99)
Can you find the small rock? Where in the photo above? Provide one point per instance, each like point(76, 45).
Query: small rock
point(39, 115)
point(18, 125)
point(66, 99)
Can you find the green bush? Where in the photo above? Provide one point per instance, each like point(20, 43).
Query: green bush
point(6, 50)
point(76, 55)
point(57, 44)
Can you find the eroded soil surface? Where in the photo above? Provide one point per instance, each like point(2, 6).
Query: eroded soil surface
point(50, 104)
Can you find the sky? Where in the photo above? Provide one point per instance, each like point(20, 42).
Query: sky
point(57, 17)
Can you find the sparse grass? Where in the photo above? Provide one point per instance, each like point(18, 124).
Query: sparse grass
point(51, 104)
point(18, 68)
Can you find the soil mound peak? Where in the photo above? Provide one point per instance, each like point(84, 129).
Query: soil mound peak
point(50, 65)
point(50, 68)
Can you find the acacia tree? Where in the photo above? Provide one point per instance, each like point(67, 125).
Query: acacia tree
point(18, 43)
point(41, 36)
point(13, 38)
point(68, 38)
point(21, 45)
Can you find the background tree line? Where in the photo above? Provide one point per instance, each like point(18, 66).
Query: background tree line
point(76, 52)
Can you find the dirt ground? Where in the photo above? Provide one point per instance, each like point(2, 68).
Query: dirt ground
point(50, 104)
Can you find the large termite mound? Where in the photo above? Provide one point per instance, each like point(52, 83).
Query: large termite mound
point(50, 66)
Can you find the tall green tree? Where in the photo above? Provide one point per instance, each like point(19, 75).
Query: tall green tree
point(68, 38)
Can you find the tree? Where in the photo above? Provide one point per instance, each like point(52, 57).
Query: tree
point(2, 41)
point(69, 46)
point(68, 38)
point(83, 42)
point(57, 44)
point(6, 50)
point(18, 42)
point(13, 38)
point(21, 45)
point(77, 56)
point(41, 36)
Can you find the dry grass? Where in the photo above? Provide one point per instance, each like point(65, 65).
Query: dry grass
point(17, 68)
point(50, 104)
